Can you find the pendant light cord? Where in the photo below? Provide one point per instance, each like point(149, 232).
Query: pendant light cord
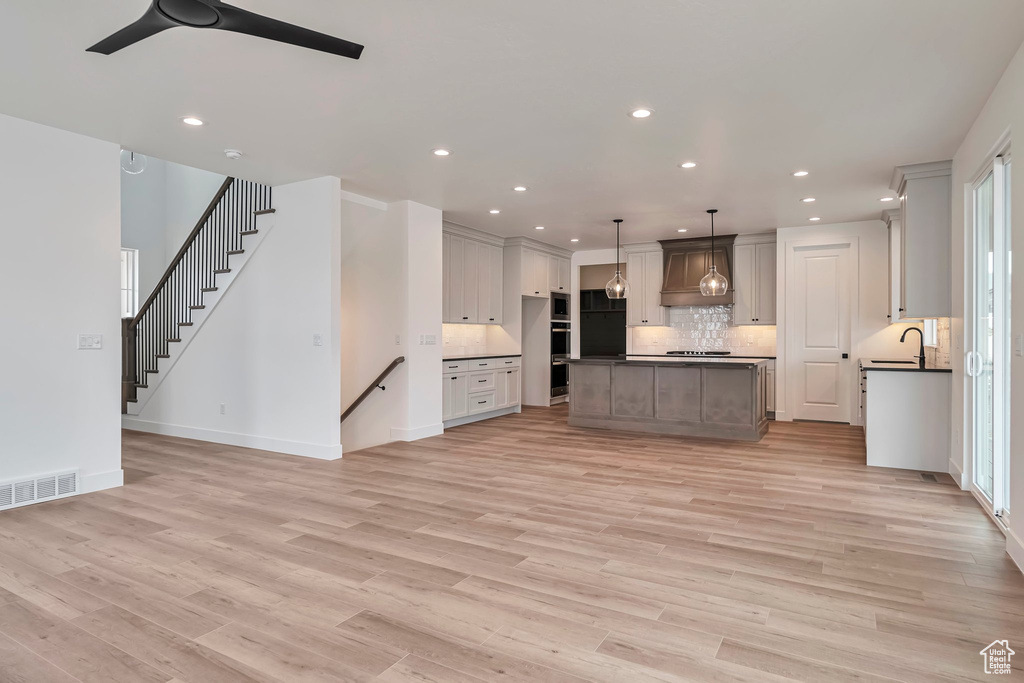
point(618, 264)
point(712, 240)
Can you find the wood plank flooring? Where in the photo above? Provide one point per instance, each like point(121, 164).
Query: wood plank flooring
point(516, 549)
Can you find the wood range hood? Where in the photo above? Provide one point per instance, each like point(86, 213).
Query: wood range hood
point(686, 262)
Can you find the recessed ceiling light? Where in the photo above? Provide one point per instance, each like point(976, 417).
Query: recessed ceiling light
point(807, 200)
point(520, 188)
point(192, 121)
point(539, 227)
point(688, 164)
point(800, 174)
point(495, 210)
point(641, 113)
point(814, 218)
point(886, 199)
point(681, 230)
point(574, 240)
point(441, 152)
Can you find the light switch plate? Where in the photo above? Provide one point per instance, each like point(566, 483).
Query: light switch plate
point(318, 340)
point(88, 342)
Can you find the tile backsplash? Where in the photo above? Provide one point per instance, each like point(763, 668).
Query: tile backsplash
point(464, 339)
point(704, 328)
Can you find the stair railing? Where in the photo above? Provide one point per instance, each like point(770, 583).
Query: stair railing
point(375, 384)
point(193, 271)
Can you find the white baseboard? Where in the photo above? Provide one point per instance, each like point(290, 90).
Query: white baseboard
point(1015, 548)
point(101, 480)
point(483, 416)
point(957, 474)
point(263, 443)
point(416, 433)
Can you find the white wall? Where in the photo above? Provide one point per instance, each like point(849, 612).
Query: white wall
point(391, 290)
point(59, 407)
point(159, 207)
point(256, 355)
point(871, 335)
point(1002, 114)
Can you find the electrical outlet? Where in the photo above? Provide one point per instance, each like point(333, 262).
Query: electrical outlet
point(318, 340)
point(222, 410)
point(750, 340)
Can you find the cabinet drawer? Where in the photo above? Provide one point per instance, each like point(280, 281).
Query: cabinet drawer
point(507, 363)
point(481, 403)
point(450, 367)
point(481, 381)
point(482, 364)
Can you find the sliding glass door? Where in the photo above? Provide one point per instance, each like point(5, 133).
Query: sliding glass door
point(989, 362)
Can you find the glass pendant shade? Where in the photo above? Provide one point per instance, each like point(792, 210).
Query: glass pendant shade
point(617, 287)
point(714, 283)
point(132, 163)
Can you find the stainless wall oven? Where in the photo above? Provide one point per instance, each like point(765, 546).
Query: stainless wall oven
point(560, 338)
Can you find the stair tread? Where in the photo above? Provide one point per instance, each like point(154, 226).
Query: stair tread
point(163, 355)
point(131, 400)
point(221, 271)
point(174, 340)
point(142, 386)
point(248, 232)
point(186, 324)
point(236, 251)
point(197, 308)
point(210, 289)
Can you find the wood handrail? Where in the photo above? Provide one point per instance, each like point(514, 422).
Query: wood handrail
point(184, 248)
point(373, 385)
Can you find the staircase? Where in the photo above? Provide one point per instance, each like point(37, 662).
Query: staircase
point(212, 249)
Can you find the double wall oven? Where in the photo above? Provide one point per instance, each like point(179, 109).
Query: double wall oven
point(560, 344)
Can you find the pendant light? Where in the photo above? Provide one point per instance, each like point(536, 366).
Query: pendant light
point(714, 283)
point(132, 163)
point(617, 287)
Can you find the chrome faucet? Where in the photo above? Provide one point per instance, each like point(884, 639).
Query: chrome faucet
point(920, 358)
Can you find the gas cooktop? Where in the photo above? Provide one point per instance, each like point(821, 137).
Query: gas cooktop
point(699, 353)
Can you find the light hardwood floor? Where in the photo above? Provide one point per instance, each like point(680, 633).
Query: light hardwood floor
point(515, 549)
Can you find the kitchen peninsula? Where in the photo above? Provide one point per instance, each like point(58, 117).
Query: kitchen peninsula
point(722, 398)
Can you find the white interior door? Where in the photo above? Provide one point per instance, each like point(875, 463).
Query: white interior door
point(818, 332)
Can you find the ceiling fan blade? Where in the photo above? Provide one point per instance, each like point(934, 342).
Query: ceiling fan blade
point(150, 23)
point(242, 21)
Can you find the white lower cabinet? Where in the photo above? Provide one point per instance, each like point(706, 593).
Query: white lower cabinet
point(475, 387)
point(770, 378)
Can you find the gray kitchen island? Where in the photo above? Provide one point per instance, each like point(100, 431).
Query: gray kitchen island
point(723, 398)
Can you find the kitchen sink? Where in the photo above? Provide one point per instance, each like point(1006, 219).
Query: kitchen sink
point(895, 362)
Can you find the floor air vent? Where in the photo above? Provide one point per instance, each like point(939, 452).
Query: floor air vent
point(37, 490)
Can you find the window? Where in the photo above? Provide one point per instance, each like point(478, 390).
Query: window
point(129, 282)
point(931, 332)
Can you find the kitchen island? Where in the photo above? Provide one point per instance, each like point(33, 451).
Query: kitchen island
point(723, 398)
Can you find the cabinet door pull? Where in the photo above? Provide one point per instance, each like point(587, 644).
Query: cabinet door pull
point(480, 381)
point(491, 319)
point(465, 317)
point(481, 402)
point(453, 378)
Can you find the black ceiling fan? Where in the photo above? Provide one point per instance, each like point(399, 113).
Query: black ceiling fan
point(165, 14)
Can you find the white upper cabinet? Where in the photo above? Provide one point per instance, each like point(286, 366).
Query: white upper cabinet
point(544, 273)
point(563, 275)
point(895, 303)
point(753, 282)
point(535, 273)
point(644, 270)
point(471, 280)
point(925, 192)
point(489, 285)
